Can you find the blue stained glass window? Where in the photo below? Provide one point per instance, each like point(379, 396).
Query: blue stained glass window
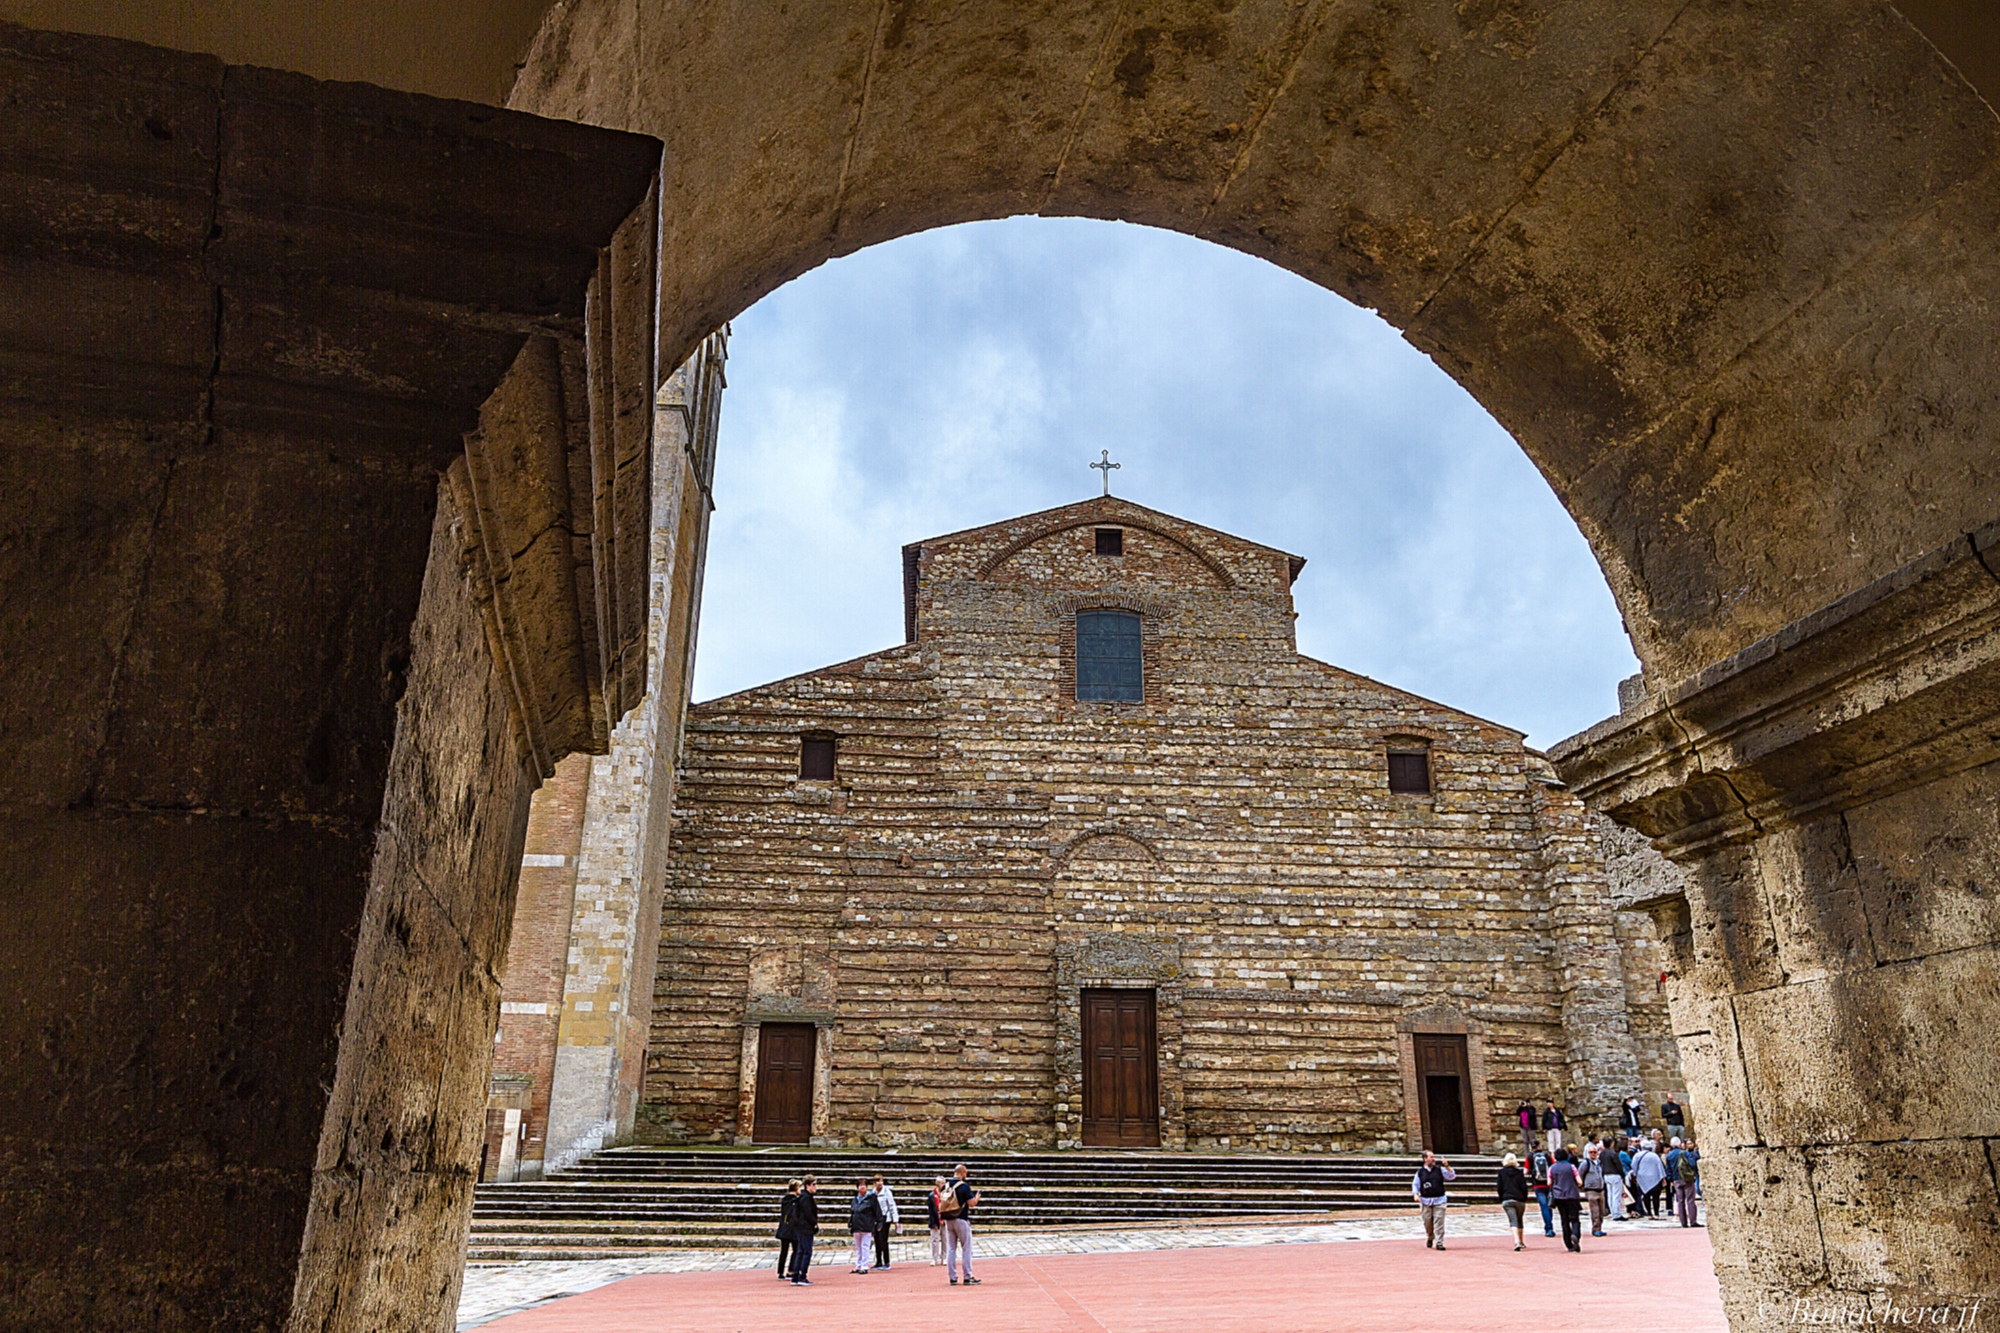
point(1108, 657)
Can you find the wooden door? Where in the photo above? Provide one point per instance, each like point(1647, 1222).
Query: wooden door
point(1121, 1070)
point(784, 1083)
point(1444, 1092)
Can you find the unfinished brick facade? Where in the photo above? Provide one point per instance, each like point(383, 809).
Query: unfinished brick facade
point(989, 847)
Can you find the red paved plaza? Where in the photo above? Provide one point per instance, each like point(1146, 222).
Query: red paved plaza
point(1390, 1286)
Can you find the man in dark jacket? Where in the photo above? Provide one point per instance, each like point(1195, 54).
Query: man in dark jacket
point(1676, 1118)
point(805, 1225)
point(786, 1210)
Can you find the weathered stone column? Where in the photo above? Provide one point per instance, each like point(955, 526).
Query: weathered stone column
point(1834, 794)
point(246, 320)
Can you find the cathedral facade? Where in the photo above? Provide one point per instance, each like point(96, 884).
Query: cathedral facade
point(1098, 858)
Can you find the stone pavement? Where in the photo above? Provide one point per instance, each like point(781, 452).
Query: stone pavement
point(1088, 1280)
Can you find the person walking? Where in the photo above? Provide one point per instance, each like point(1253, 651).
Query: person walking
point(1566, 1191)
point(1687, 1176)
point(787, 1208)
point(936, 1223)
point(1554, 1124)
point(1427, 1188)
point(1648, 1171)
point(1592, 1170)
point(864, 1216)
point(1539, 1162)
point(956, 1210)
point(1526, 1116)
point(892, 1217)
point(805, 1226)
point(1512, 1187)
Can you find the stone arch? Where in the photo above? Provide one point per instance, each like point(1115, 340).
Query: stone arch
point(1106, 844)
point(1720, 302)
point(1206, 558)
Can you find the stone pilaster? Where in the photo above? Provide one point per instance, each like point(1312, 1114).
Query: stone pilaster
point(268, 745)
point(1833, 794)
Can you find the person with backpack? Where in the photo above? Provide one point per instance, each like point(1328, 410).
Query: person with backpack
point(955, 1210)
point(1512, 1187)
point(1566, 1189)
point(938, 1187)
point(805, 1226)
point(891, 1217)
point(787, 1208)
point(864, 1215)
point(1538, 1178)
point(1526, 1115)
point(1427, 1188)
point(1687, 1178)
point(1591, 1169)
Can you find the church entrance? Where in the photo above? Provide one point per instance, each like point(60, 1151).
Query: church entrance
point(1121, 1064)
point(1444, 1079)
point(784, 1083)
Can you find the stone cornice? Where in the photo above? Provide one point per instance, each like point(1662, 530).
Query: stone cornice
point(1895, 685)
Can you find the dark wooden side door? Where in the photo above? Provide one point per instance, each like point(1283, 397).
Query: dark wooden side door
point(784, 1083)
point(1121, 1091)
point(1444, 1092)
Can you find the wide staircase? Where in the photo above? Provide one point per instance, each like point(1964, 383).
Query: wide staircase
point(629, 1201)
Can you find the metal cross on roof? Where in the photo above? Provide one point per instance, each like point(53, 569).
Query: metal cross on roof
point(1106, 467)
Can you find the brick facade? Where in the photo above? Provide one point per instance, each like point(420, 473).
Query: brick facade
point(989, 845)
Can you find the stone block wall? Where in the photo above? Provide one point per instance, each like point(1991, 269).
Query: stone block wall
point(986, 834)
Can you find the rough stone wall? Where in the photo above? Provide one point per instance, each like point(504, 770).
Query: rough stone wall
point(398, 1153)
point(1638, 874)
point(984, 826)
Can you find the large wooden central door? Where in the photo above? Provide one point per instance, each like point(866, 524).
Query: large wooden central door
point(1121, 1091)
point(784, 1083)
point(1444, 1092)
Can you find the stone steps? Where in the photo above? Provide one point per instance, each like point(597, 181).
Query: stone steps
point(635, 1200)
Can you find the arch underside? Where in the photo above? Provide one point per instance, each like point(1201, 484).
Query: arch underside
point(1723, 270)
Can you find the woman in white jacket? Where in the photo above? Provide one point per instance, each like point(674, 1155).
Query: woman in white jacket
point(891, 1217)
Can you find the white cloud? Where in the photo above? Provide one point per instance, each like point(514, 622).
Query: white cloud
point(969, 374)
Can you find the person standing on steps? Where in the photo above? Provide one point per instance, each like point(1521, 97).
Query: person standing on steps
point(891, 1217)
point(1526, 1115)
point(864, 1215)
point(1553, 1122)
point(1538, 1177)
point(938, 1188)
point(1631, 1118)
point(1566, 1192)
point(787, 1209)
point(805, 1225)
point(1427, 1188)
point(1676, 1118)
point(1512, 1187)
point(955, 1208)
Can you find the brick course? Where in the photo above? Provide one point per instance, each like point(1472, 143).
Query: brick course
point(989, 845)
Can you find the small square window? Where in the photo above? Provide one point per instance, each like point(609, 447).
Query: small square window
point(816, 755)
point(1111, 541)
point(1409, 771)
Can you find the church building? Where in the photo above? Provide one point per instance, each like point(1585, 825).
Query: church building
point(1097, 858)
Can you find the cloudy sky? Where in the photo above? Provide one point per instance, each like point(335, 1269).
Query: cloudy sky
point(972, 374)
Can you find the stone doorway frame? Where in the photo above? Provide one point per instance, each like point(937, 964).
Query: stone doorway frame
point(1117, 961)
point(822, 1091)
point(1446, 1021)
